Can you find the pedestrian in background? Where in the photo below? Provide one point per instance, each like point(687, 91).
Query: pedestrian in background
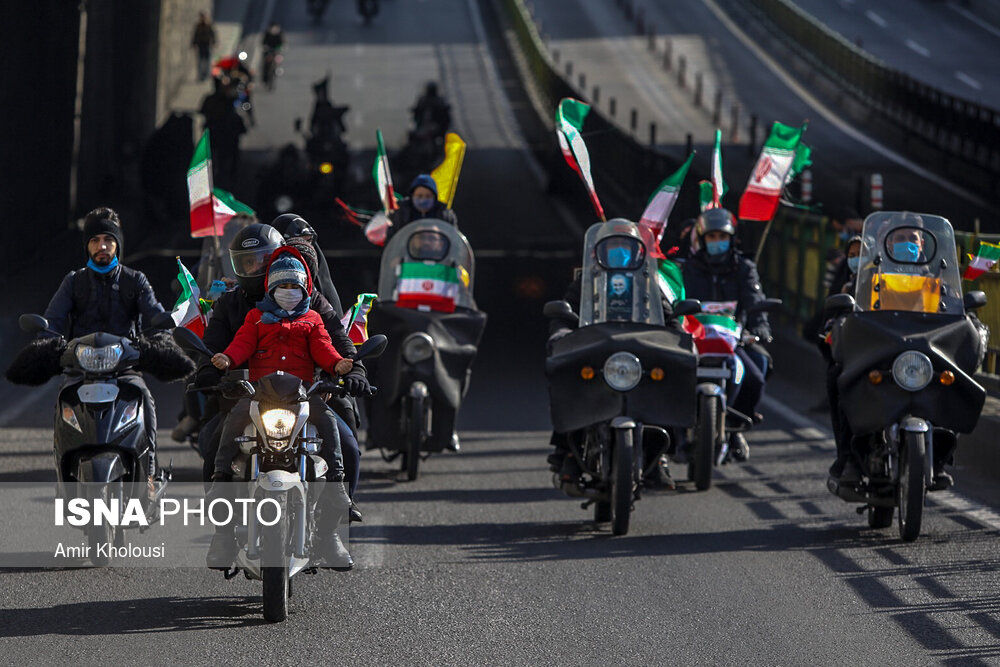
point(203, 40)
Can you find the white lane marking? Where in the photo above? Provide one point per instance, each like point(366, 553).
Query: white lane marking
point(811, 433)
point(876, 19)
point(988, 27)
point(968, 507)
point(968, 80)
point(919, 48)
point(833, 118)
point(799, 421)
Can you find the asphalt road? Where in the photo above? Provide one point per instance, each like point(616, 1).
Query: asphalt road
point(480, 560)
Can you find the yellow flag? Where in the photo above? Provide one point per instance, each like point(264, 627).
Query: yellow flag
point(446, 173)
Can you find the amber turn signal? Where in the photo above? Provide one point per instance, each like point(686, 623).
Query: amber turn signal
point(947, 378)
point(326, 168)
point(656, 374)
point(875, 377)
point(587, 373)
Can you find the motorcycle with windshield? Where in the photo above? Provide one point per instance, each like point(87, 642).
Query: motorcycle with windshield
point(621, 380)
point(279, 462)
point(907, 348)
point(426, 308)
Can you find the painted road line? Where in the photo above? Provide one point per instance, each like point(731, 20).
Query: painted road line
point(988, 27)
point(968, 80)
point(919, 48)
point(876, 19)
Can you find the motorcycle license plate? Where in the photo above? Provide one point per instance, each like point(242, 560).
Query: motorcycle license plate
point(99, 392)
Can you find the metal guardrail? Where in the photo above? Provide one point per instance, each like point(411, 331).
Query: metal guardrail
point(953, 124)
point(793, 265)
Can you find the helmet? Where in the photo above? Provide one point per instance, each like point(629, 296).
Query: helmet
point(715, 219)
point(291, 225)
point(250, 251)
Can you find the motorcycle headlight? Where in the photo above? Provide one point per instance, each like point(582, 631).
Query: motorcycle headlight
point(622, 371)
point(418, 347)
point(129, 415)
point(912, 370)
point(278, 423)
point(99, 359)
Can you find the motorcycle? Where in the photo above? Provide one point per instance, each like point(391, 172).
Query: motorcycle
point(648, 372)
point(426, 308)
point(101, 448)
point(279, 461)
point(272, 67)
point(720, 371)
point(908, 352)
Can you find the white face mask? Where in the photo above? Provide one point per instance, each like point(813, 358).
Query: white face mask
point(288, 298)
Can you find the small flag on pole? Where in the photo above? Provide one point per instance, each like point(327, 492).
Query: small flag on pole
point(356, 320)
point(654, 218)
point(706, 195)
point(187, 311)
point(446, 174)
point(199, 181)
point(763, 191)
point(569, 124)
point(803, 154)
point(719, 187)
point(986, 256)
point(382, 176)
point(225, 207)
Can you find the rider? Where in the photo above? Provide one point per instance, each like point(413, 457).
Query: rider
point(719, 272)
point(296, 342)
point(422, 203)
point(432, 111)
point(107, 296)
point(292, 225)
point(274, 38)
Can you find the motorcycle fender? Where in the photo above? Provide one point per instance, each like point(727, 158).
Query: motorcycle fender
point(623, 422)
point(101, 469)
point(279, 480)
point(915, 425)
point(419, 390)
point(319, 465)
point(710, 389)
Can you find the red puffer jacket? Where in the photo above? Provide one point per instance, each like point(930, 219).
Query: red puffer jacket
point(294, 346)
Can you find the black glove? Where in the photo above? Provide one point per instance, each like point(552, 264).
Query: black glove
point(356, 384)
point(207, 376)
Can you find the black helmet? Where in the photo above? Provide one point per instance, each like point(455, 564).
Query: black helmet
point(250, 252)
point(715, 220)
point(292, 224)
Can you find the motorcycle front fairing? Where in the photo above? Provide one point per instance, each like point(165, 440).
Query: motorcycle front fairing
point(576, 403)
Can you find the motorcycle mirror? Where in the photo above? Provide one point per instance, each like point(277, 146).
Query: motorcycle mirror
point(31, 323)
point(246, 389)
point(839, 303)
point(188, 341)
point(163, 320)
point(687, 307)
point(560, 310)
point(972, 300)
point(371, 348)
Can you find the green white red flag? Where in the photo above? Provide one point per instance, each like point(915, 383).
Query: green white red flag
point(763, 191)
point(427, 287)
point(187, 311)
point(225, 207)
point(670, 280)
point(803, 153)
point(654, 217)
point(382, 176)
point(199, 182)
point(356, 320)
point(719, 187)
point(986, 256)
point(569, 125)
point(706, 195)
point(720, 332)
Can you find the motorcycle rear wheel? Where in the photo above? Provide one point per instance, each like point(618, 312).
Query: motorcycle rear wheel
point(414, 437)
point(703, 457)
point(911, 489)
point(275, 580)
point(621, 482)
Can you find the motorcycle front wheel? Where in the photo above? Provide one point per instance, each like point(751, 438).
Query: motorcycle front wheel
point(275, 578)
point(703, 457)
point(105, 535)
point(911, 489)
point(621, 481)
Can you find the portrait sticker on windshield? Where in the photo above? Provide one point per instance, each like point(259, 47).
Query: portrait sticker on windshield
point(619, 297)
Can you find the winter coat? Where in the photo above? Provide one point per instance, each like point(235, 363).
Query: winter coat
point(407, 213)
point(735, 279)
point(293, 345)
point(119, 302)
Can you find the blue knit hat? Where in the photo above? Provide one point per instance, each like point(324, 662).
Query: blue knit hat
point(424, 180)
point(286, 269)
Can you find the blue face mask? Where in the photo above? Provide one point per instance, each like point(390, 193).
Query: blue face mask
point(108, 268)
point(844, 234)
point(717, 247)
point(853, 263)
point(618, 258)
point(905, 251)
point(423, 204)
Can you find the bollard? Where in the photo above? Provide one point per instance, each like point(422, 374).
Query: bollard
point(697, 90)
point(681, 69)
point(688, 144)
point(569, 68)
point(634, 120)
point(807, 186)
point(596, 97)
point(753, 133)
point(876, 192)
point(583, 81)
point(612, 106)
point(735, 136)
point(667, 54)
point(717, 110)
point(652, 135)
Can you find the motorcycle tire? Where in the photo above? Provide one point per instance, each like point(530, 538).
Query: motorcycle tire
point(105, 533)
point(622, 489)
point(705, 437)
point(911, 488)
point(276, 585)
point(414, 437)
point(880, 517)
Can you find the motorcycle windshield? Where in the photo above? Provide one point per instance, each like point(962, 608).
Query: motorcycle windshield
point(909, 263)
point(619, 276)
point(428, 265)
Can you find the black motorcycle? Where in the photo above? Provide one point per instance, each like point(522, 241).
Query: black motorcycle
point(621, 381)
point(426, 308)
point(101, 447)
point(907, 352)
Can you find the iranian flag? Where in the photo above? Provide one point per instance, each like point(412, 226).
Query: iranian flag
point(760, 199)
point(199, 181)
point(719, 187)
point(569, 124)
point(654, 218)
point(986, 256)
point(803, 154)
point(382, 176)
point(225, 206)
point(720, 332)
point(187, 311)
point(356, 320)
point(706, 195)
point(670, 280)
point(427, 287)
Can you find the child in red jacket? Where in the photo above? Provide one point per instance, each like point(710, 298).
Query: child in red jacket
point(283, 334)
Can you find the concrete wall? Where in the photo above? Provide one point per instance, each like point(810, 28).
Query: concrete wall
point(177, 59)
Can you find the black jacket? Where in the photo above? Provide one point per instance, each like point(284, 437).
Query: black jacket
point(735, 279)
point(120, 302)
point(407, 213)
